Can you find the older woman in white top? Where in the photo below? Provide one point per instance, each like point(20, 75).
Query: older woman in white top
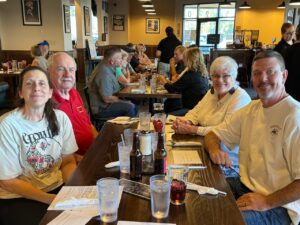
point(224, 98)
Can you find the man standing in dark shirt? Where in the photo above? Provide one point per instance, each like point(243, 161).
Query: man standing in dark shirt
point(287, 33)
point(292, 65)
point(165, 51)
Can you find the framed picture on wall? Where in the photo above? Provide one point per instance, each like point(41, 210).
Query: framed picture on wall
point(87, 21)
point(105, 27)
point(67, 19)
point(152, 26)
point(118, 23)
point(31, 12)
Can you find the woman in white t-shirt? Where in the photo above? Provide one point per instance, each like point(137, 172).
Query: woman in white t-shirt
point(36, 152)
point(224, 98)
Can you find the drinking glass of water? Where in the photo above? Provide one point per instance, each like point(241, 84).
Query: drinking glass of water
point(108, 196)
point(160, 196)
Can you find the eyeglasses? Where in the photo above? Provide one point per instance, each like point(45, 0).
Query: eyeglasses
point(223, 77)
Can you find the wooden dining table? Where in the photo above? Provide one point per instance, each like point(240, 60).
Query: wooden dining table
point(128, 92)
point(198, 209)
point(158, 96)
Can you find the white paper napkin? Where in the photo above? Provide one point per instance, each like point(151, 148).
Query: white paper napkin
point(204, 190)
point(75, 202)
point(137, 91)
point(186, 143)
point(123, 120)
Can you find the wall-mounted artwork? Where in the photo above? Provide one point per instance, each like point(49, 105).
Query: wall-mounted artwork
point(31, 12)
point(105, 27)
point(118, 23)
point(67, 19)
point(87, 21)
point(152, 25)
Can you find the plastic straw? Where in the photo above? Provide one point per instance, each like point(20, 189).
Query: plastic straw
point(122, 137)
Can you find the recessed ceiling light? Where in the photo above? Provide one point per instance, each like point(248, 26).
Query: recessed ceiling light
point(151, 13)
point(148, 5)
point(2, 0)
point(144, 0)
point(149, 10)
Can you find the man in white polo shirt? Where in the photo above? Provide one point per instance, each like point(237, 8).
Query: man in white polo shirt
point(268, 132)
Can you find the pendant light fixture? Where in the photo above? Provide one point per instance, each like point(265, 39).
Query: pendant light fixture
point(281, 6)
point(295, 2)
point(245, 5)
point(226, 2)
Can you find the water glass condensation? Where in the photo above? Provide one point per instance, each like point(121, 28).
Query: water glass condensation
point(124, 152)
point(160, 196)
point(142, 82)
point(14, 65)
point(145, 120)
point(154, 140)
point(128, 136)
point(108, 196)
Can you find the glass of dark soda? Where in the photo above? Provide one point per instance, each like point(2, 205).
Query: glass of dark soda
point(178, 176)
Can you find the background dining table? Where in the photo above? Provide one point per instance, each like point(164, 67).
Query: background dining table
point(198, 209)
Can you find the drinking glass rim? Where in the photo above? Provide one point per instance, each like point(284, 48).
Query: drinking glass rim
point(101, 180)
point(156, 177)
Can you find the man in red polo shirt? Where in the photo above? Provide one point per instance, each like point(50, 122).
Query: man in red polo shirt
point(62, 68)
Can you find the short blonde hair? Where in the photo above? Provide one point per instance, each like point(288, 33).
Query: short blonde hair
point(194, 60)
point(180, 48)
point(124, 54)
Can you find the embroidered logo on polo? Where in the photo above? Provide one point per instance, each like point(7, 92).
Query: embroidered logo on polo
point(79, 109)
point(275, 130)
point(38, 147)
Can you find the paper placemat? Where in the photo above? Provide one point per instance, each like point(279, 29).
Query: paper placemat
point(186, 157)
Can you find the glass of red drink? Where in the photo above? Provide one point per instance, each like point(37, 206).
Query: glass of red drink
point(178, 176)
point(159, 121)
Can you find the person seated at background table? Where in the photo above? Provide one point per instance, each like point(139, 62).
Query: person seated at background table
point(44, 46)
point(176, 63)
point(287, 34)
point(62, 69)
point(220, 102)
point(36, 152)
point(141, 55)
point(125, 73)
point(39, 59)
point(268, 133)
point(103, 84)
point(193, 84)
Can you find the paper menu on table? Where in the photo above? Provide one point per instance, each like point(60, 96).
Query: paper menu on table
point(77, 197)
point(74, 193)
point(76, 217)
point(186, 157)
